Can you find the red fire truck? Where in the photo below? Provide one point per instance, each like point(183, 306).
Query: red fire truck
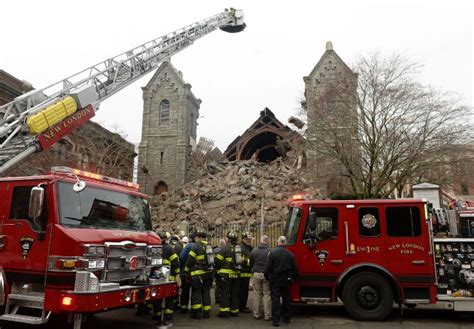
point(76, 242)
point(371, 254)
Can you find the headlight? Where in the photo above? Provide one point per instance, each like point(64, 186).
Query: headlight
point(154, 250)
point(91, 250)
point(94, 250)
point(93, 264)
point(156, 261)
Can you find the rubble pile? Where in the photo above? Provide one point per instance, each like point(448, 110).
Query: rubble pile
point(231, 193)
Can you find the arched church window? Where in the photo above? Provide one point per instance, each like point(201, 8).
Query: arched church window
point(164, 112)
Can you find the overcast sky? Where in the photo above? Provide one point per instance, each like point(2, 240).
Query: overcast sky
point(235, 75)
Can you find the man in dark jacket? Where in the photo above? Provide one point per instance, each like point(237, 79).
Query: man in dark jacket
point(281, 271)
point(245, 272)
point(260, 285)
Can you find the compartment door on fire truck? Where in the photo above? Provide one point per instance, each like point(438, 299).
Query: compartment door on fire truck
point(322, 262)
point(408, 244)
point(24, 253)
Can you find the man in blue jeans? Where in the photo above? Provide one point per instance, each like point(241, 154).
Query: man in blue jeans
point(281, 270)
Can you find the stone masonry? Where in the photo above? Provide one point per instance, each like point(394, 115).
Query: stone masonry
point(322, 100)
point(166, 145)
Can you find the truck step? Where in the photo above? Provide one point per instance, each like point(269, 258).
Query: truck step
point(24, 318)
point(32, 300)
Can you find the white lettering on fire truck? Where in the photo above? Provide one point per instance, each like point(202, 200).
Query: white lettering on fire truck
point(406, 248)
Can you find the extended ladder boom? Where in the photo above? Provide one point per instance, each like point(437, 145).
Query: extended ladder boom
point(24, 120)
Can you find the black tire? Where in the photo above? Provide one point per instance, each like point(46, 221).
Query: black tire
point(368, 297)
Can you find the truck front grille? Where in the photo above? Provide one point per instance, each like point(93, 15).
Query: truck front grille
point(119, 256)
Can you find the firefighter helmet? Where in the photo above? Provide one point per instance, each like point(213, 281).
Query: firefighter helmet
point(232, 236)
point(200, 232)
point(246, 235)
point(162, 234)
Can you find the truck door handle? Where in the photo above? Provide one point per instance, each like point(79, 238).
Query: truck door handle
point(418, 262)
point(336, 261)
point(2, 241)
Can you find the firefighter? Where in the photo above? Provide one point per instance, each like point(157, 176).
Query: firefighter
point(185, 279)
point(245, 272)
point(199, 266)
point(170, 259)
point(228, 262)
point(217, 291)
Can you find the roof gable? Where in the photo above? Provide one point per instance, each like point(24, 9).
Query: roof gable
point(329, 55)
point(165, 67)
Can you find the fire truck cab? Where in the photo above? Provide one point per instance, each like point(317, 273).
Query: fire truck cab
point(78, 243)
point(367, 253)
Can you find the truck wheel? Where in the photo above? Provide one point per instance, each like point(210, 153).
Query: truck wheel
point(368, 297)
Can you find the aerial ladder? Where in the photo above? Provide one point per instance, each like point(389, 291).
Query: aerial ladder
point(36, 120)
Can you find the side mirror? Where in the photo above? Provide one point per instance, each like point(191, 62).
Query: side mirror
point(312, 221)
point(36, 207)
point(36, 202)
point(79, 186)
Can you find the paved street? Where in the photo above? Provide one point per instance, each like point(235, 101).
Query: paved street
point(305, 316)
point(318, 316)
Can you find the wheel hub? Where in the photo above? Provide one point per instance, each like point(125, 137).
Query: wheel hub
point(368, 297)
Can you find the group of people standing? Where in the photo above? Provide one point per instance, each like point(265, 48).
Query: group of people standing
point(233, 265)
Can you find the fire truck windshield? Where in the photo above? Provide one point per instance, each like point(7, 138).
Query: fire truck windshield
point(292, 225)
point(102, 208)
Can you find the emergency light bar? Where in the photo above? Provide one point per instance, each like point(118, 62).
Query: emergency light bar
point(90, 175)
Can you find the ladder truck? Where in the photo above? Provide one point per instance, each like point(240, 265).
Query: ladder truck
point(74, 242)
point(36, 120)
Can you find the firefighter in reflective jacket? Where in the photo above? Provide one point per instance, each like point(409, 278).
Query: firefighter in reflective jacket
point(170, 259)
point(228, 264)
point(246, 271)
point(199, 266)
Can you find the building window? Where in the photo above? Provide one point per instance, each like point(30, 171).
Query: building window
point(161, 157)
point(161, 187)
point(464, 189)
point(164, 112)
point(403, 221)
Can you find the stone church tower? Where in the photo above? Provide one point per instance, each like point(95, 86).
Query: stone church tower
point(330, 91)
point(170, 112)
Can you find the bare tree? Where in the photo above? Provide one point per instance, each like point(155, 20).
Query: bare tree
point(397, 131)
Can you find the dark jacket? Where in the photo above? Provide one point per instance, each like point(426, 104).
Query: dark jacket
point(171, 259)
point(246, 270)
point(281, 267)
point(196, 263)
point(183, 255)
point(225, 262)
point(258, 258)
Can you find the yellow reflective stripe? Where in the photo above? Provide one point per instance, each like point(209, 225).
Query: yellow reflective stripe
point(186, 269)
point(166, 262)
point(206, 308)
point(168, 311)
point(228, 271)
point(192, 254)
point(172, 278)
point(196, 306)
point(234, 311)
point(200, 257)
point(176, 271)
point(173, 256)
point(198, 272)
point(229, 259)
point(219, 257)
point(224, 309)
point(245, 275)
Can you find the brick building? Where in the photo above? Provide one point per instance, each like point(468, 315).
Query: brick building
point(90, 147)
point(170, 112)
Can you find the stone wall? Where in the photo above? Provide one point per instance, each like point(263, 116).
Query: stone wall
point(165, 148)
